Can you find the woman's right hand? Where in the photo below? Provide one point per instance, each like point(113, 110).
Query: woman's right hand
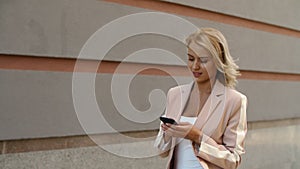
point(165, 127)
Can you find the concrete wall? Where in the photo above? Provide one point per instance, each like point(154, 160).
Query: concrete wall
point(262, 144)
point(39, 103)
point(63, 34)
point(65, 31)
point(275, 12)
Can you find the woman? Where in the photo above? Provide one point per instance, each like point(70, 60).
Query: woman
point(210, 113)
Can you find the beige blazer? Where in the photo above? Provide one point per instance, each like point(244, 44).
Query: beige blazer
point(222, 120)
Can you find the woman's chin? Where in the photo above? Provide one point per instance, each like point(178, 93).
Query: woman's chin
point(200, 80)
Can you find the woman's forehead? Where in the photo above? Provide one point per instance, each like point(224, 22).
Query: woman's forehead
point(197, 49)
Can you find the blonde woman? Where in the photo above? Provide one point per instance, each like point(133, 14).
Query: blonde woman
point(210, 113)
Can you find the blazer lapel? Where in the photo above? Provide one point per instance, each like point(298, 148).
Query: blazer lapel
point(211, 104)
point(184, 96)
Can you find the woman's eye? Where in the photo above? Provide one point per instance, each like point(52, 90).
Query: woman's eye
point(204, 60)
point(191, 59)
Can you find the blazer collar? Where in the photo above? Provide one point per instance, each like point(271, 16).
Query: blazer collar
point(218, 90)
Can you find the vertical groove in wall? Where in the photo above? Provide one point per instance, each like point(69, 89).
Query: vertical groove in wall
point(3, 147)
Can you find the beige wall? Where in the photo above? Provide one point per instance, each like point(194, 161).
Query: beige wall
point(38, 103)
point(267, 147)
point(63, 33)
point(275, 12)
point(59, 29)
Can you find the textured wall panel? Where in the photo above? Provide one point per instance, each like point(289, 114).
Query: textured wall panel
point(284, 138)
point(270, 100)
point(40, 104)
point(281, 13)
point(60, 29)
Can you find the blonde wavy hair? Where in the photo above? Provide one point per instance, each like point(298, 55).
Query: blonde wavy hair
point(215, 42)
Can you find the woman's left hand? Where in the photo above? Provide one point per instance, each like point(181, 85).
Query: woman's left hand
point(185, 130)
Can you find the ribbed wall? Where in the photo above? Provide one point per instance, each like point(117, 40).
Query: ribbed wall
point(40, 42)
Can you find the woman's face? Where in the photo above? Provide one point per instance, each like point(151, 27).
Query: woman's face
point(201, 63)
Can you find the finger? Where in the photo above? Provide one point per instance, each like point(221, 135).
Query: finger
point(165, 128)
point(168, 124)
point(165, 125)
point(176, 133)
point(175, 127)
point(170, 132)
point(182, 128)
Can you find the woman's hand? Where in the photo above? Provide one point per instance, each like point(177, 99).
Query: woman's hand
point(182, 130)
point(167, 135)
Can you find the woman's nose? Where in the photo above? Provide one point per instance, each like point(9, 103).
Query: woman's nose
point(196, 65)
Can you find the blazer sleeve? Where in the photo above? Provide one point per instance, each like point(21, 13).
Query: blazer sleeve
point(228, 154)
point(162, 146)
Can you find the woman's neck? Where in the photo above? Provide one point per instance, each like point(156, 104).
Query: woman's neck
point(206, 87)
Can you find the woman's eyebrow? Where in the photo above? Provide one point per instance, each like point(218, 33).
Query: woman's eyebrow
point(202, 57)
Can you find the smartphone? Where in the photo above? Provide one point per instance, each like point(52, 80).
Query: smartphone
point(167, 120)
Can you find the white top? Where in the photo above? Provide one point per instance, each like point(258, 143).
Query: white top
point(185, 157)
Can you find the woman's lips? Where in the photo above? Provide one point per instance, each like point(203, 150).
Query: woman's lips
point(197, 74)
